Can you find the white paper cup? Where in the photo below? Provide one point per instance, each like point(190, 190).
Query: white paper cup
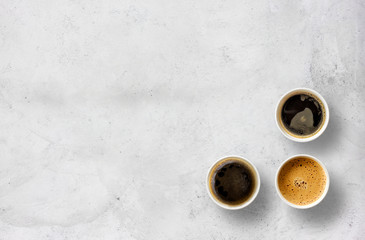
point(225, 205)
point(325, 115)
point(311, 204)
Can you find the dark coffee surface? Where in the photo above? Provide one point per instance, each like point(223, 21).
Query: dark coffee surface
point(233, 183)
point(302, 114)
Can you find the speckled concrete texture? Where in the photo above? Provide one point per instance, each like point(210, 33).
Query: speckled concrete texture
point(113, 111)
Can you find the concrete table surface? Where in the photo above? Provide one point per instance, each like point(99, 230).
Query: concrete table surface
point(113, 111)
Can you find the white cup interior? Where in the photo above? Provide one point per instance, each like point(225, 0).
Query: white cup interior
point(319, 199)
point(246, 203)
point(279, 107)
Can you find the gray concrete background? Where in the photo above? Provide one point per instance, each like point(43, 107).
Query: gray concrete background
point(113, 111)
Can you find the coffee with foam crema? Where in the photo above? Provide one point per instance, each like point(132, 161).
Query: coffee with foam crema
point(302, 181)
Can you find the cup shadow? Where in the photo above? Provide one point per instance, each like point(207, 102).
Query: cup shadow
point(255, 211)
point(323, 144)
point(327, 210)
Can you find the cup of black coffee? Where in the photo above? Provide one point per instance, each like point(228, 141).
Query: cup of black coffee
point(302, 115)
point(233, 182)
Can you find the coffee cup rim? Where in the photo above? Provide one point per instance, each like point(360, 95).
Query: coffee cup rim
point(319, 199)
point(316, 135)
point(249, 201)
